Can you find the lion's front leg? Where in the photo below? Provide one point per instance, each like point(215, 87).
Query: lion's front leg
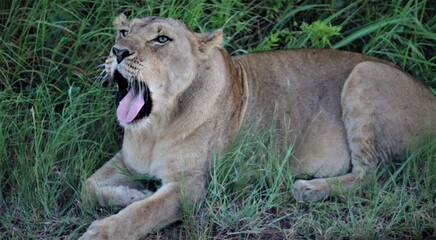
point(141, 217)
point(111, 186)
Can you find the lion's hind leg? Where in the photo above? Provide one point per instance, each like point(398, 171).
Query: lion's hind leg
point(385, 112)
point(111, 186)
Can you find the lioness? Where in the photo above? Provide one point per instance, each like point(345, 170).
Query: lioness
point(182, 98)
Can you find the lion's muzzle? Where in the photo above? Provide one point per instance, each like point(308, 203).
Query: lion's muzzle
point(134, 99)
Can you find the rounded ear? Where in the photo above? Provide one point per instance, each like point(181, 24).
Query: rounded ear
point(212, 39)
point(121, 21)
point(209, 40)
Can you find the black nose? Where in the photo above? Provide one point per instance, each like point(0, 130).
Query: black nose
point(121, 53)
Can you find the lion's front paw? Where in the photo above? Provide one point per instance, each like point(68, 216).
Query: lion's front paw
point(308, 191)
point(105, 229)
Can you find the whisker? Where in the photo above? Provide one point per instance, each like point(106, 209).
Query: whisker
point(100, 74)
point(101, 65)
point(140, 76)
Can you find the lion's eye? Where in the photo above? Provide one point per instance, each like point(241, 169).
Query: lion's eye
point(162, 39)
point(124, 32)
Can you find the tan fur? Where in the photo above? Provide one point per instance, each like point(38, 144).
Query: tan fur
point(344, 112)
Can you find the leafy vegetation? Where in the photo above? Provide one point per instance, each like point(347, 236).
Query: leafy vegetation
point(57, 122)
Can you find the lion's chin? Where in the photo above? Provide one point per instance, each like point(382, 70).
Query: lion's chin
point(134, 99)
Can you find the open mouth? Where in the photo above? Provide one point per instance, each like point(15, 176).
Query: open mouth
point(134, 99)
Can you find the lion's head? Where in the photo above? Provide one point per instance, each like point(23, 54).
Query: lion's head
point(153, 61)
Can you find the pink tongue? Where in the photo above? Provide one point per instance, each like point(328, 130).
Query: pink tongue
point(130, 106)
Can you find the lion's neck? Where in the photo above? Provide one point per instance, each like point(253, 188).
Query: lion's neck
point(216, 94)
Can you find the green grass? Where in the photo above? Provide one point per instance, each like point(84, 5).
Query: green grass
point(250, 197)
point(57, 122)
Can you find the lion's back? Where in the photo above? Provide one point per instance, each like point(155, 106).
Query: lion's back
point(300, 83)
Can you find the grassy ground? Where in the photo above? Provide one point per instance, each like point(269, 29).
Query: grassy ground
point(57, 123)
